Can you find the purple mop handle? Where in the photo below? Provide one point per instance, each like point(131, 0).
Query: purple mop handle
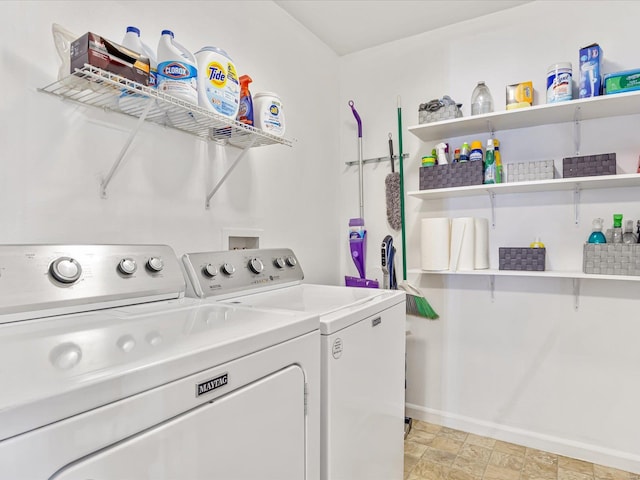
point(355, 114)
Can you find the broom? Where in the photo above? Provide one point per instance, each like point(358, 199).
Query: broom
point(416, 304)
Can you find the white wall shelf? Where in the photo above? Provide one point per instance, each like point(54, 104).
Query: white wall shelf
point(582, 109)
point(576, 277)
point(558, 184)
point(517, 273)
point(98, 88)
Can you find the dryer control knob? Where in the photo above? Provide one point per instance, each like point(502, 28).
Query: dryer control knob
point(127, 266)
point(291, 261)
point(155, 264)
point(228, 269)
point(210, 270)
point(65, 269)
point(256, 265)
point(279, 262)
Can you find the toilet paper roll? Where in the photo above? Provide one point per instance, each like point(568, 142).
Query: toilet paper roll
point(435, 237)
point(463, 244)
point(481, 260)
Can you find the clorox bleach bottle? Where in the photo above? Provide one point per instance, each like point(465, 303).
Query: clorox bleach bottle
point(218, 85)
point(130, 102)
point(133, 42)
point(177, 71)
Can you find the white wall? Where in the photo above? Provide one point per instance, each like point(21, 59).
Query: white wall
point(524, 367)
point(54, 153)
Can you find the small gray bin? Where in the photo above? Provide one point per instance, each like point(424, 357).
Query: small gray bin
point(589, 165)
point(611, 259)
point(451, 175)
point(522, 258)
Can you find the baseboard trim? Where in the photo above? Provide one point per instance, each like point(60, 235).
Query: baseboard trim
point(561, 446)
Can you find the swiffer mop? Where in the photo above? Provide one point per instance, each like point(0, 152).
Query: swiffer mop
point(416, 303)
point(357, 232)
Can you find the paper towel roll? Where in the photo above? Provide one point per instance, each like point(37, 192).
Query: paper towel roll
point(481, 261)
point(463, 244)
point(435, 236)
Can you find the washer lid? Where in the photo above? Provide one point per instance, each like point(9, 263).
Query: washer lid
point(338, 307)
point(54, 368)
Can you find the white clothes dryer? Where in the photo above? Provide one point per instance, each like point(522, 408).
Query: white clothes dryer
point(362, 352)
point(107, 372)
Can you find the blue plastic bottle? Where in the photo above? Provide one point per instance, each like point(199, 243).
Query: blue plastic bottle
point(597, 236)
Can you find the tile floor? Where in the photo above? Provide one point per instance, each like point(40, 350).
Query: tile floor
point(432, 452)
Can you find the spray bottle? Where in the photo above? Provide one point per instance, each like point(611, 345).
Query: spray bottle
point(441, 148)
point(245, 112)
point(490, 175)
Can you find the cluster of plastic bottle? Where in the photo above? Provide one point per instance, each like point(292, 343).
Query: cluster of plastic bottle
point(174, 71)
point(616, 234)
point(490, 157)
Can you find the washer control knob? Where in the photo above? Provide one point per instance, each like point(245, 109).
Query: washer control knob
point(256, 265)
point(210, 270)
point(127, 266)
point(291, 261)
point(228, 269)
point(279, 262)
point(155, 264)
point(65, 269)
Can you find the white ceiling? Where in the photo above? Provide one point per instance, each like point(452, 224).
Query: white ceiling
point(348, 26)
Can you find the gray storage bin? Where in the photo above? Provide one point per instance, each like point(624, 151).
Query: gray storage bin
point(529, 171)
point(522, 258)
point(611, 259)
point(451, 175)
point(589, 165)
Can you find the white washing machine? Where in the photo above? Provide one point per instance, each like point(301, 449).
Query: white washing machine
point(107, 372)
point(362, 352)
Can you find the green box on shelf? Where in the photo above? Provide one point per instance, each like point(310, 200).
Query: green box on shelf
point(460, 174)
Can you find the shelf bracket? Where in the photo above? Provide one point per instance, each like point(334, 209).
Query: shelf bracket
point(577, 133)
point(491, 129)
point(492, 199)
point(492, 285)
point(576, 204)
point(106, 180)
point(576, 293)
point(228, 172)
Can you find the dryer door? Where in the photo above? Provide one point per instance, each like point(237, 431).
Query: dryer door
point(256, 432)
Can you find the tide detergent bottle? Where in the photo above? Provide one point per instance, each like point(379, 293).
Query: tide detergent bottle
point(218, 85)
point(177, 70)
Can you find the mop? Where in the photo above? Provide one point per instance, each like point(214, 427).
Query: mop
point(416, 304)
point(357, 231)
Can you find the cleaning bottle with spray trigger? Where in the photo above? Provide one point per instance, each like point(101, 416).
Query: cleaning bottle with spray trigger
point(245, 111)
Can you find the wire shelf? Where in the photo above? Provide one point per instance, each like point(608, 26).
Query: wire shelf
point(99, 88)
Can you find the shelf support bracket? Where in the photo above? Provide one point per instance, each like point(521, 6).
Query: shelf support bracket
point(492, 285)
point(106, 180)
point(576, 293)
point(576, 204)
point(490, 128)
point(228, 172)
point(492, 199)
point(577, 133)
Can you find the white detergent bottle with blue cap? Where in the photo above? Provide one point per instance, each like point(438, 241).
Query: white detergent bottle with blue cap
point(133, 103)
point(177, 70)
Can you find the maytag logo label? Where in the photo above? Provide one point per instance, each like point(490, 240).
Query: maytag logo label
point(210, 385)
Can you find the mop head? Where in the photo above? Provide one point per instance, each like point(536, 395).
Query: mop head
point(392, 185)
